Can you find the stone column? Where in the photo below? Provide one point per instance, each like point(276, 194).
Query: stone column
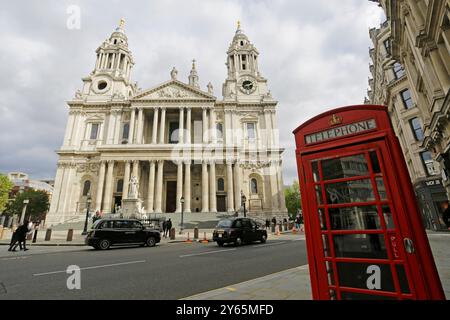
point(282, 200)
point(162, 126)
point(179, 186)
point(205, 125)
point(151, 187)
point(118, 116)
point(126, 179)
point(441, 71)
point(228, 128)
point(159, 187)
point(188, 126)
point(237, 185)
point(230, 192)
point(155, 126)
point(69, 128)
point(187, 187)
point(140, 126)
point(212, 187)
point(132, 121)
point(107, 200)
point(268, 121)
point(101, 181)
point(274, 186)
point(181, 127)
point(205, 200)
point(135, 172)
point(110, 132)
point(275, 134)
point(57, 189)
point(213, 127)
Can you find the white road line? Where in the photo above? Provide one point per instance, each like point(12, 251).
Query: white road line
point(203, 253)
point(269, 245)
point(93, 267)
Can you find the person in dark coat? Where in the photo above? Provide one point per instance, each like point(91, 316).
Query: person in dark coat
point(274, 221)
point(164, 227)
point(14, 240)
point(446, 215)
point(21, 237)
point(168, 227)
point(267, 224)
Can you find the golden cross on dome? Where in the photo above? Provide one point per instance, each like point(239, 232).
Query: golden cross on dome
point(122, 22)
point(239, 24)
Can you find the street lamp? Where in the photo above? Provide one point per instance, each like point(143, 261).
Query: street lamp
point(243, 201)
point(182, 214)
point(88, 205)
point(22, 217)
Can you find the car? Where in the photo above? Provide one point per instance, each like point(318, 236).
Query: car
point(238, 231)
point(109, 232)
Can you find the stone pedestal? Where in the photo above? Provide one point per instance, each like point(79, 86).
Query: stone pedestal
point(131, 208)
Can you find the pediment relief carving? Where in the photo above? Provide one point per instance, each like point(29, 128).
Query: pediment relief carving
point(173, 91)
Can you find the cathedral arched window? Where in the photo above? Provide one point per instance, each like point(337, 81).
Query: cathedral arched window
point(221, 184)
point(86, 187)
point(254, 186)
point(119, 186)
point(219, 129)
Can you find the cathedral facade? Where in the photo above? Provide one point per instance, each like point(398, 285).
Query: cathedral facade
point(175, 140)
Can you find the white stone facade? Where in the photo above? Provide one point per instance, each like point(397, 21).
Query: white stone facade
point(178, 140)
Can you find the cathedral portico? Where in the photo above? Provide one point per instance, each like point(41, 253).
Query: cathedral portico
point(174, 140)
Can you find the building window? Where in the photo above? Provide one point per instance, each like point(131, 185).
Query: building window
point(387, 46)
point(219, 130)
point(119, 187)
point(174, 132)
point(94, 131)
point(398, 70)
point(406, 98)
point(86, 187)
point(428, 163)
point(416, 127)
point(125, 131)
point(251, 131)
point(254, 186)
point(221, 184)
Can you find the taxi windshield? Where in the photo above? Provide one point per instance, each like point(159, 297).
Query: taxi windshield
point(225, 224)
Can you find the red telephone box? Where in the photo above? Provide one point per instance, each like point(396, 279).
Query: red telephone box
point(364, 232)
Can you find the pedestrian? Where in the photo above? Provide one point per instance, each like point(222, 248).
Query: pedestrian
point(297, 222)
point(14, 240)
point(267, 224)
point(274, 221)
point(164, 227)
point(168, 227)
point(22, 232)
point(446, 214)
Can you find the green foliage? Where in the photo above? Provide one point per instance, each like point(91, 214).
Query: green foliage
point(5, 187)
point(293, 199)
point(37, 207)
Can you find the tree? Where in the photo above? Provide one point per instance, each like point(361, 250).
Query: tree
point(5, 187)
point(37, 207)
point(292, 196)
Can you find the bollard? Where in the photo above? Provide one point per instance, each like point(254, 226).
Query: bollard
point(69, 235)
point(195, 233)
point(1, 232)
point(285, 226)
point(35, 235)
point(188, 239)
point(172, 234)
point(204, 239)
point(48, 235)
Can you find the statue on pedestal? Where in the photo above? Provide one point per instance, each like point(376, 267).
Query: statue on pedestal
point(133, 189)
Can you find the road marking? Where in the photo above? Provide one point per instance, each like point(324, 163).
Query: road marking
point(231, 289)
point(15, 258)
point(203, 253)
point(269, 245)
point(93, 267)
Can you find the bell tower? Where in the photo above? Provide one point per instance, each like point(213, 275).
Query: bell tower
point(244, 81)
point(110, 78)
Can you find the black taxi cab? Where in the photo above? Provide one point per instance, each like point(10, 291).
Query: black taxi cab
point(238, 231)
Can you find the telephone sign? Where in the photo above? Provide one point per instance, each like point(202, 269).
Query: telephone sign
point(364, 232)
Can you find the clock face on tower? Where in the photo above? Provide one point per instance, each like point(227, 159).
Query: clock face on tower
point(247, 85)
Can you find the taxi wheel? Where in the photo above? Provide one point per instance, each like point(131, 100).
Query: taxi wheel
point(151, 242)
point(263, 238)
point(238, 242)
point(104, 244)
point(220, 244)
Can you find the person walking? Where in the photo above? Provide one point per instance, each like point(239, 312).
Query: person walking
point(164, 227)
point(14, 240)
point(267, 224)
point(168, 227)
point(446, 215)
point(22, 232)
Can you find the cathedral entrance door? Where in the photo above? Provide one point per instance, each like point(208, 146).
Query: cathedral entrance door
point(221, 203)
point(171, 196)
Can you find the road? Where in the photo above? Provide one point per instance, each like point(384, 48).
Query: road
point(168, 271)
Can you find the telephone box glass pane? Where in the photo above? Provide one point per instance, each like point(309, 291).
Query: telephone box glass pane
point(364, 246)
point(355, 218)
point(330, 273)
point(375, 163)
point(365, 276)
point(350, 192)
point(402, 279)
point(345, 167)
point(322, 219)
point(315, 169)
point(319, 194)
point(381, 188)
point(326, 246)
point(387, 213)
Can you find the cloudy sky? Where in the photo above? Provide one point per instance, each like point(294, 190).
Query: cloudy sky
point(314, 54)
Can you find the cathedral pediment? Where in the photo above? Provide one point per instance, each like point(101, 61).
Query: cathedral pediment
point(174, 90)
